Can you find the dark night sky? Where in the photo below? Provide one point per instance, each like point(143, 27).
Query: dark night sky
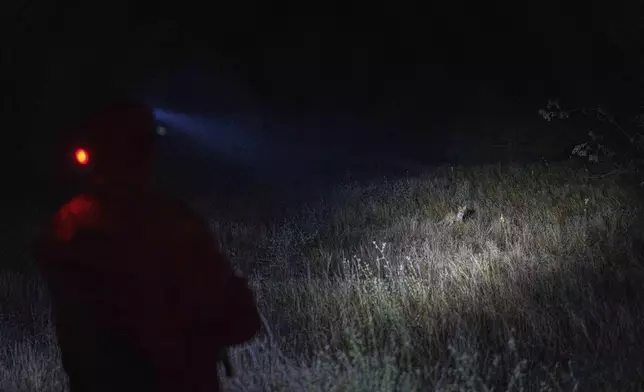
point(389, 77)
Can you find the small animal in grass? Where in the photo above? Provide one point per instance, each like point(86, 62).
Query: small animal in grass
point(462, 214)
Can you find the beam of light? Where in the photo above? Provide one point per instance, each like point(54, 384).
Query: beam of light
point(224, 138)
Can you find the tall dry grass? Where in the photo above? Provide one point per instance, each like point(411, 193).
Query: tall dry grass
point(365, 288)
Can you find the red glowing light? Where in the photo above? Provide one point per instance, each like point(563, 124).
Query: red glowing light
point(82, 157)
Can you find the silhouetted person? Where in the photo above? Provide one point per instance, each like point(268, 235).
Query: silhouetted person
point(142, 298)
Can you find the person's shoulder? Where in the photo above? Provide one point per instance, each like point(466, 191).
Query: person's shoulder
point(81, 212)
point(178, 214)
point(171, 206)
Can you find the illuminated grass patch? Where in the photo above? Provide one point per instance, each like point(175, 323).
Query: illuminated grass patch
point(364, 289)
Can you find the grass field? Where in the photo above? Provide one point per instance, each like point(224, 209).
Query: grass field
point(366, 287)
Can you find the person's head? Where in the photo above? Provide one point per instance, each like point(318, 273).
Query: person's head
point(120, 143)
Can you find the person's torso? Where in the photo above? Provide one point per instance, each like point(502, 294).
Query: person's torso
point(124, 267)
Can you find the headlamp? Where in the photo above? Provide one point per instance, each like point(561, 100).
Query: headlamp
point(81, 156)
